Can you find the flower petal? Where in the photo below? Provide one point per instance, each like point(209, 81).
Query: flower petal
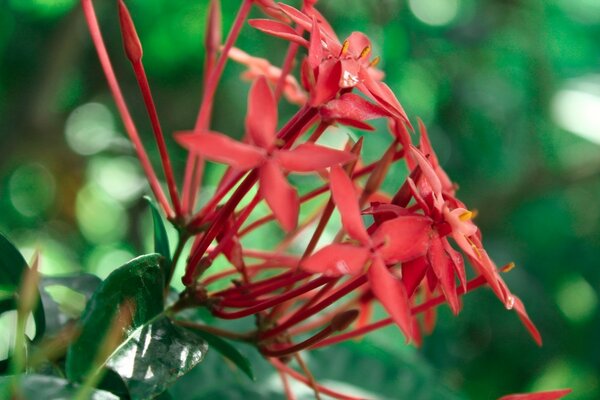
point(358, 41)
point(315, 49)
point(459, 264)
point(261, 119)
point(522, 313)
point(221, 148)
point(549, 395)
point(327, 83)
point(351, 106)
point(413, 273)
point(390, 291)
point(297, 16)
point(442, 266)
point(346, 200)
point(279, 195)
point(380, 92)
point(404, 238)
point(278, 29)
point(311, 157)
point(427, 169)
point(336, 260)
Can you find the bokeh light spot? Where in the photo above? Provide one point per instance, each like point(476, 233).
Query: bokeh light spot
point(8, 324)
point(101, 218)
point(577, 299)
point(90, 128)
point(32, 189)
point(43, 8)
point(435, 12)
point(119, 177)
point(575, 108)
point(105, 259)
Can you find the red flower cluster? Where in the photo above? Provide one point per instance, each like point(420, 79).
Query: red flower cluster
point(404, 250)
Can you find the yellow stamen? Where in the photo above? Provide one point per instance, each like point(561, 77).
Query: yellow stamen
point(466, 216)
point(375, 61)
point(365, 52)
point(508, 267)
point(345, 47)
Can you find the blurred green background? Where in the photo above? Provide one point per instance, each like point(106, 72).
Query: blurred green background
point(510, 91)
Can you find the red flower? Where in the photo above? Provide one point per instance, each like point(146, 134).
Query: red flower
point(397, 240)
point(332, 66)
point(263, 153)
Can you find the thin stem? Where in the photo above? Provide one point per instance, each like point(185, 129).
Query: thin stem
point(301, 316)
point(272, 301)
point(142, 79)
point(288, 134)
point(309, 375)
point(286, 351)
point(299, 377)
point(471, 285)
point(92, 22)
point(208, 95)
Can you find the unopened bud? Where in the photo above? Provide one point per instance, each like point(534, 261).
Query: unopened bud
point(131, 41)
point(341, 321)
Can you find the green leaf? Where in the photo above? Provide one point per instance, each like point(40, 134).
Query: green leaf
point(139, 283)
point(228, 351)
point(161, 240)
point(34, 387)
point(155, 355)
point(12, 268)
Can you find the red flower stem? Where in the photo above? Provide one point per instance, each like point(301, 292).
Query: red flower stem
point(288, 63)
point(311, 378)
point(196, 182)
point(301, 316)
point(296, 124)
point(246, 290)
point(244, 300)
point(318, 132)
point(216, 227)
point(142, 79)
point(436, 301)
point(288, 133)
point(238, 222)
point(301, 378)
point(286, 351)
point(287, 241)
point(284, 259)
point(314, 299)
point(251, 269)
point(208, 95)
point(311, 195)
point(272, 301)
point(325, 319)
point(92, 22)
point(289, 395)
point(217, 197)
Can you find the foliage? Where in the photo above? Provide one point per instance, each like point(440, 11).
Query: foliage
point(446, 76)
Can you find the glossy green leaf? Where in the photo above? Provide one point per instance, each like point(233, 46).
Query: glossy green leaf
point(139, 283)
point(36, 387)
point(228, 351)
point(12, 268)
point(161, 240)
point(155, 355)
